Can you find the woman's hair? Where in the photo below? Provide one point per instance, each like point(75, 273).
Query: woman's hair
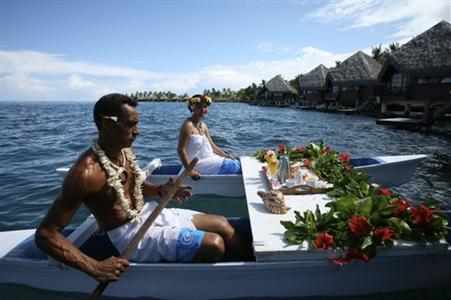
point(198, 100)
point(111, 105)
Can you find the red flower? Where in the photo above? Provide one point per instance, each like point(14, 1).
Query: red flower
point(385, 233)
point(300, 149)
point(282, 148)
point(347, 168)
point(324, 241)
point(359, 226)
point(384, 192)
point(307, 163)
point(402, 204)
point(422, 215)
point(327, 150)
point(344, 158)
point(357, 253)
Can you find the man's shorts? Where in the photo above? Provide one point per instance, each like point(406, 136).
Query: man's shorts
point(171, 238)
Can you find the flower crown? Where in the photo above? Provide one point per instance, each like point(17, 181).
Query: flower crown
point(199, 99)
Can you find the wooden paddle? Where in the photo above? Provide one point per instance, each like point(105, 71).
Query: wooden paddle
point(140, 234)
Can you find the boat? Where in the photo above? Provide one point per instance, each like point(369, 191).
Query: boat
point(279, 270)
point(388, 171)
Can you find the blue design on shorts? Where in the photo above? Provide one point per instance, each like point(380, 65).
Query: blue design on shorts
point(188, 242)
point(230, 166)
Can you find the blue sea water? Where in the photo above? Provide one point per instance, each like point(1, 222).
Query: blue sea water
point(36, 138)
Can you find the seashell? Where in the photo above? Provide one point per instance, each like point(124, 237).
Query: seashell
point(274, 201)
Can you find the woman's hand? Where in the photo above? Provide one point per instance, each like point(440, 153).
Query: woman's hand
point(110, 269)
point(229, 155)
point(181, 195)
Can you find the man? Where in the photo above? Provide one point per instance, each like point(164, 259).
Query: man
point(107, 179)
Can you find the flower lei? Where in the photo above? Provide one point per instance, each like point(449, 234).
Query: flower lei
point(114, 181)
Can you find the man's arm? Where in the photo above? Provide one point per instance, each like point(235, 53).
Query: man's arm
point(150, 190)
point(48, 235)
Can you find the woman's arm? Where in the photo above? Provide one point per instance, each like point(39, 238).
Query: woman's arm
point(216, 148)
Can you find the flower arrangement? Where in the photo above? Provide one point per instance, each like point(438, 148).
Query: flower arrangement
point(199, 99)
point(363, 217)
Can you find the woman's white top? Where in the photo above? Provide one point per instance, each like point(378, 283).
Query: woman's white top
point(209, 163)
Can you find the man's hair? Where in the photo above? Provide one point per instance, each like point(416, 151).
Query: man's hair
point(111, 105)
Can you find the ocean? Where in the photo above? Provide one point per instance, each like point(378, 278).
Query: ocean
point(38, 137)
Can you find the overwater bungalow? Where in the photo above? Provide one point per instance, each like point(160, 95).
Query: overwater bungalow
point(278, 92)
point(419, 72)
point(312, 87)
point(353, 83)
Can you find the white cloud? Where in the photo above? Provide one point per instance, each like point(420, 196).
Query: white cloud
point(410, 16)
point(50, 77)
point(77, 82)
point(46, 63)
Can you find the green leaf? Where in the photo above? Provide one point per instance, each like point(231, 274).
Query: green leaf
point(288, 224)
point(386, 211)
point(294, 237)
point(317, 213)
point(368, 241)
point(430, 202)
point(364, 188)
point(346, 204)
point(364, 206)
point(299, 216)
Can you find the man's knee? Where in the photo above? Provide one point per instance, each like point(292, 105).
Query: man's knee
point(224, 226)
point(212, 248)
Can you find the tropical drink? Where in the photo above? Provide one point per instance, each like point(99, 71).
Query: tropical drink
point(272, 165)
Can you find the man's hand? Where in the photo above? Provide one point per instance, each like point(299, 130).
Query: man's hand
point(110, 269)
point(181, 194)
point(194, 175)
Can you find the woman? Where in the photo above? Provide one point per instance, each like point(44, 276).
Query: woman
point(195, 141)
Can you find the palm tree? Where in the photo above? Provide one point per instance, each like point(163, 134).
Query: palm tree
point(393, 47)
point(378, 54)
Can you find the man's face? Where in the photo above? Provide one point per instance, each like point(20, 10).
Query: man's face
point(125, 130)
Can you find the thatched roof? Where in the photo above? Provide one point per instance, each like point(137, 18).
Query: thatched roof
point(359, 69)
point(278, 85)
point(314, 79)
point(429, 53)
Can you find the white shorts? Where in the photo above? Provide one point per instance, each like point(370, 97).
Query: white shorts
point(159, 242)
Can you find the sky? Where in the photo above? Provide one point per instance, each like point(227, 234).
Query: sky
point(80, 50)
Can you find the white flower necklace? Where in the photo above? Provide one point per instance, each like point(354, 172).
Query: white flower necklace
point(114, 179)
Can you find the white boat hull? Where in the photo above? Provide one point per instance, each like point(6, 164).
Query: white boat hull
point(241, 279)
point(393, 170)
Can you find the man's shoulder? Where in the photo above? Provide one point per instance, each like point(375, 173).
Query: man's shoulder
point(87, 168)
